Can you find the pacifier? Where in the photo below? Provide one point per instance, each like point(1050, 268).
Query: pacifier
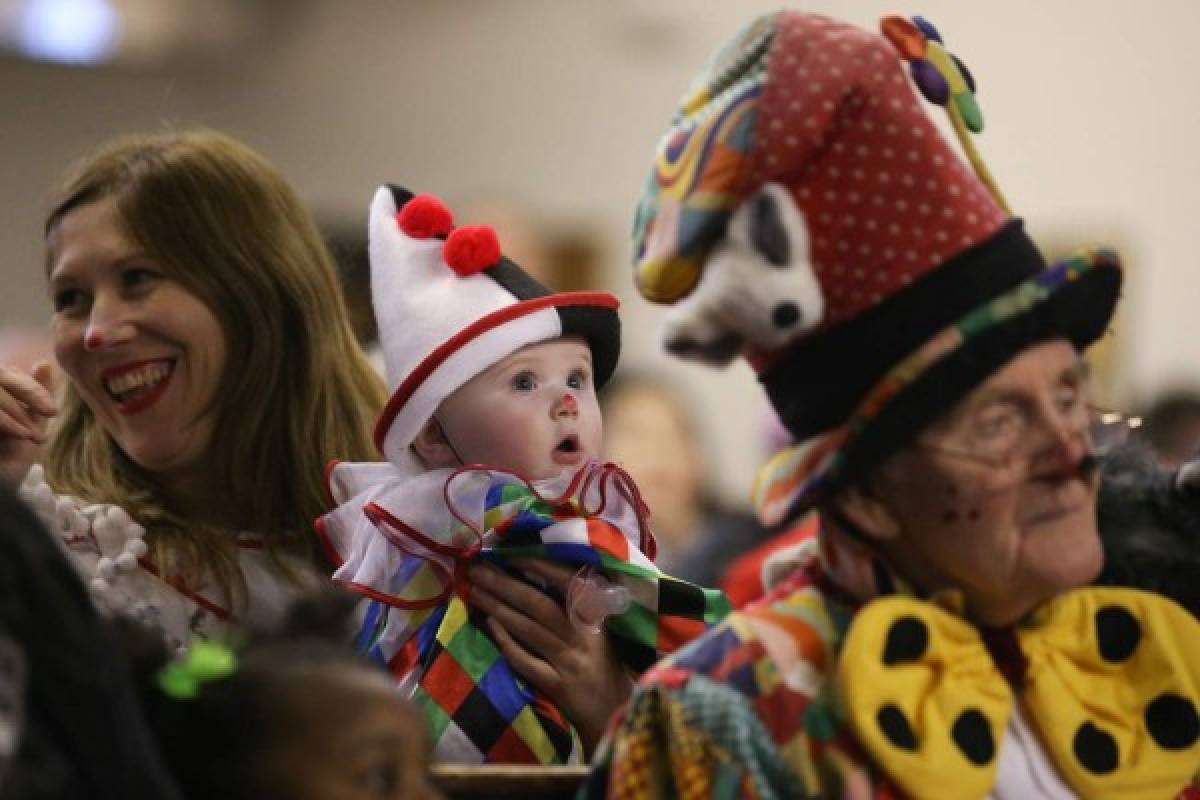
point(592, 598)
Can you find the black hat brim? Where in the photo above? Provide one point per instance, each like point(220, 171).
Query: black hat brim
point(1076, 304)
point(1078, 311)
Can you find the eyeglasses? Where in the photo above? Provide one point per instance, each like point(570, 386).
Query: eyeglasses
point(1014, 439)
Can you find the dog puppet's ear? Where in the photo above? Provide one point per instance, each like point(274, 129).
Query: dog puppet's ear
point(758, 286)
point(769, 223)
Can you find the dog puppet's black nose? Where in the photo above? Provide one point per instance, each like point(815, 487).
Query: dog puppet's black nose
point(785, 315)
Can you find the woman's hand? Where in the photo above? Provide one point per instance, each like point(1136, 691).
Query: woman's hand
point(26, 405)
point(574, 668)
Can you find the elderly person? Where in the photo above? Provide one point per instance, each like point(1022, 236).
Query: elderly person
point(805, 211)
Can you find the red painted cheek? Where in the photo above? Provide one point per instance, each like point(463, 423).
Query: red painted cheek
point(956, 510)
point(952, 515)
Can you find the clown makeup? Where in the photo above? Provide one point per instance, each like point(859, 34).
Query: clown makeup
point(955, 510)
point(534, 413)
point(1014, 521)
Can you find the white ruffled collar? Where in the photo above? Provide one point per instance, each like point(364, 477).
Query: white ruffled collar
point(390, 522)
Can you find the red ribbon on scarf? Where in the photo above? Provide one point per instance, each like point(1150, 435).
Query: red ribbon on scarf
point(415, 544)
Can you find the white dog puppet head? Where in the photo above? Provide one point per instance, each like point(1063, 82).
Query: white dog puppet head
point(757, 287)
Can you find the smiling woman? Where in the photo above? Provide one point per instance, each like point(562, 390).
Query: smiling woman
point(145, 354)
point(194, 304)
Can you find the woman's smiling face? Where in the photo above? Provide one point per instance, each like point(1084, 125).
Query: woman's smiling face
point(145, 354)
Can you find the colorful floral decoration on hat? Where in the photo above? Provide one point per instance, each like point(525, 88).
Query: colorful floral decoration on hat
point(945, 81)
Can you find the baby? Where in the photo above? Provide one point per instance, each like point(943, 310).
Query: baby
point(491, 436)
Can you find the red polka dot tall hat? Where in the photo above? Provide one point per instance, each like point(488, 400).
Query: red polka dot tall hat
point(805, 211)
point(449, 305)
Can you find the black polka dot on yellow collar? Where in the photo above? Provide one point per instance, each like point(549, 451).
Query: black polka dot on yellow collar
point(1112, 686)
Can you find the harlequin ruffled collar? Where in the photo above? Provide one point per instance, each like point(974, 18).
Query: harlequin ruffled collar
point(405, 539)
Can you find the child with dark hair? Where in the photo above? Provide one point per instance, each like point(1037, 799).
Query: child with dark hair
point(297, 715)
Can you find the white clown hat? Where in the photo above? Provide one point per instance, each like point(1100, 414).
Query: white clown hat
point(449, 306)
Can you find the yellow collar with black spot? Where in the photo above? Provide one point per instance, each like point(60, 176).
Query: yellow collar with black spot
point(1109, 678)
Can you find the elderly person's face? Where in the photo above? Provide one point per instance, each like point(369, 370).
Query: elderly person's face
point(997, 498)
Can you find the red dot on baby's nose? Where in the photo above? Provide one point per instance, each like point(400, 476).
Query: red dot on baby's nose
point(93, 340)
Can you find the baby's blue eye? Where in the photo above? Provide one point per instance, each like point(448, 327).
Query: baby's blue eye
point(578, 379)
point(523, 382)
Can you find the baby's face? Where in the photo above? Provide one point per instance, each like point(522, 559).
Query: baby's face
point(533, 413)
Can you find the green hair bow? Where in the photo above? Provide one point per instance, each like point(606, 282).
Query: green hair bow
point(205, 661)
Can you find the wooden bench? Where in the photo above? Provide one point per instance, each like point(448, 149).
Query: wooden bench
point(461, 782)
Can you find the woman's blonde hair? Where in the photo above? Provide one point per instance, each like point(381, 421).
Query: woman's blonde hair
point(296, 390)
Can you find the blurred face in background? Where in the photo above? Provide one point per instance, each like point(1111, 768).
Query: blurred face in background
point(647, 433)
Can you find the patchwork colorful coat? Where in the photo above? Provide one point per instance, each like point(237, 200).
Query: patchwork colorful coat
point(821, 693)
point(404, 542)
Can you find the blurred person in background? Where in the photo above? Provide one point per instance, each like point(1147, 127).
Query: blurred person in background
point(652, 434)
point(1171, 426)
point(211, 372)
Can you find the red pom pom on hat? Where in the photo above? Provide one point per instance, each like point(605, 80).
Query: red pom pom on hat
point(471, 249)
point(424, 216)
